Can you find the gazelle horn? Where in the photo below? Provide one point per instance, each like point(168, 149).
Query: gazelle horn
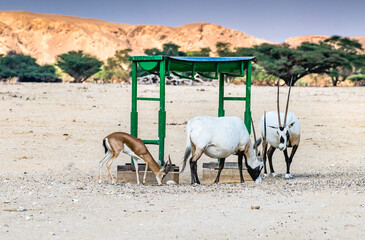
point(254, 134)
point(277, 102)
point(287, 102)
point(170, 164)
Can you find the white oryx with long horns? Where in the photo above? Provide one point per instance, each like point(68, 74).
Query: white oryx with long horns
point(118, 142)
point(220, 137)
point(279, 136)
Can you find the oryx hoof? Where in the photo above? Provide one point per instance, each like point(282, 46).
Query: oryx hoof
point(264, 175)
point(99, 181)
point(288, 176)
point(274, 174)
point(196, 184)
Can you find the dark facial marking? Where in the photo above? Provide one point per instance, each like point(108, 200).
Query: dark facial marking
point(254, 173)
point(281, 139)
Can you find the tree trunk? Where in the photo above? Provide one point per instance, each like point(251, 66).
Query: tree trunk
point(77, 79)
point(334, 81)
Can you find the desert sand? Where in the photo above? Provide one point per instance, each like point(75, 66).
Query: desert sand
point(51, 142)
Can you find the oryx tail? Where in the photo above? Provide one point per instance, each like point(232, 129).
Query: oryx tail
point(187, 148)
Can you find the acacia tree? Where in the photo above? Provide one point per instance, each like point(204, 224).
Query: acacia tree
point(287, 63)
point(26, 69)
point(223, 49)
point(118, 67)
point(352, 60)
point(168, 49)
point(204, 52)
point(153, 51)
point(78, 65)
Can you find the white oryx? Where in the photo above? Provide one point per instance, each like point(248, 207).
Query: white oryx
point(279, 136)
point(220, 137)
point(123, 142)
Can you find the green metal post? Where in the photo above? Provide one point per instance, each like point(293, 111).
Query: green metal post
point(162, 114)
point(221, 95)
point(134, 113)
point(221, 98)
point(248, 98)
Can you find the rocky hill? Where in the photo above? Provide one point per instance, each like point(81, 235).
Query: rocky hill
point(44, 36)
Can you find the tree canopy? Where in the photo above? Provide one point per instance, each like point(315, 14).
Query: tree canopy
point(168, 49)
point(117, 68)
point(204, 52)
point(78, 65)
point(352, 60)
point(26, 69)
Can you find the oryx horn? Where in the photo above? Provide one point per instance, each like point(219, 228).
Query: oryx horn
point(254, 134)
point(265, 129)
point(287, 102)
point(277, 102)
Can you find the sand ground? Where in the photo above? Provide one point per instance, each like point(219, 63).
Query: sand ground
point(50, 145)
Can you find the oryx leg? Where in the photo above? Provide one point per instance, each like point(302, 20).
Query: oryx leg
point(193, 166)
point(289, 160)
point(145, 174)
point(221, 166)
point(240, 157)
point(107, 156)
point(269, 156)
point(264, 151)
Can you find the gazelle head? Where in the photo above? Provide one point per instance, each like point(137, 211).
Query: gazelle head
point(254, 167)
point(165, 169)
point(282, 130)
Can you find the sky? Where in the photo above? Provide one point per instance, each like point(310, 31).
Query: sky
point(272, 20)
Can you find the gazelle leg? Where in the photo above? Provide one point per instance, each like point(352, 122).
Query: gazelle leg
point(221, 165)
point(101, 164)
point(193, 166)
point(269, 156)
point(136, 167)
point(240, 157)
point(107, 156)
point(108, 164)
point(264, 146)
point(145, 174)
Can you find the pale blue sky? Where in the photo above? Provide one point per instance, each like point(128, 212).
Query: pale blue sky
point(273, 20)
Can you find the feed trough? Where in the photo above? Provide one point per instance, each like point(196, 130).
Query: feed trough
point(127, 174)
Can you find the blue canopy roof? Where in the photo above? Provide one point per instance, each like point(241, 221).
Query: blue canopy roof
point(212, 59)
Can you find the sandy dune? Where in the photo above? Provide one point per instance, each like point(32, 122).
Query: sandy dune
point(51, 142)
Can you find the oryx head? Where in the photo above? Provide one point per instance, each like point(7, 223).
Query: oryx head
point(165, 169)
point(254, 167)
point(281, 130)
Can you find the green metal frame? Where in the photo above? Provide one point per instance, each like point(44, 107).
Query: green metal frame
point(164, 65)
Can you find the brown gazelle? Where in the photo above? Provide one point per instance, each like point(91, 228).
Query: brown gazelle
point(118, 142)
